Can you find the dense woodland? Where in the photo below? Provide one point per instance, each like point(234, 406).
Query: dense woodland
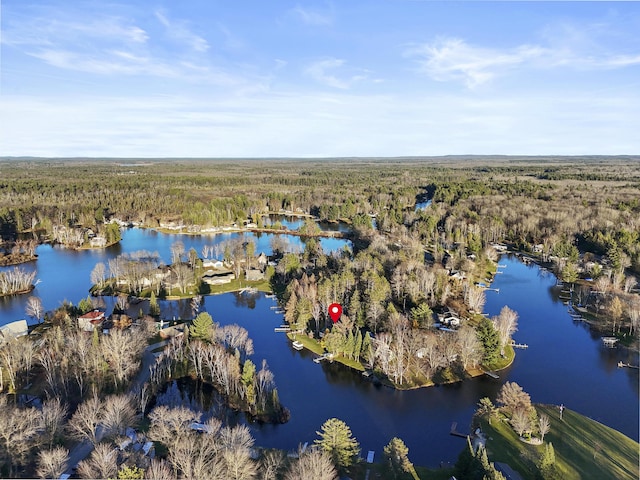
point(578, 216)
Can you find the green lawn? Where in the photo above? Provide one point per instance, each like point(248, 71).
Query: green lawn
point(584, 448)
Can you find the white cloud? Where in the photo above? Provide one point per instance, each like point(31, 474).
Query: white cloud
point(312, 17)
point(46, 30)
point(180, 32)
point(453, 59)
point(319, 72)
point(324, 72)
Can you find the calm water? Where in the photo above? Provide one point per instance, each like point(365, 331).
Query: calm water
point(65, 274)
point(564, 362)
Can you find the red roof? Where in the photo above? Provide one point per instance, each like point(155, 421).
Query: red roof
point(93, 316)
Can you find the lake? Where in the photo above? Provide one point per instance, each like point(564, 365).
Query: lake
point(564, 363)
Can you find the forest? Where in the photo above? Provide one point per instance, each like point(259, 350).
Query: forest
point(409, 269)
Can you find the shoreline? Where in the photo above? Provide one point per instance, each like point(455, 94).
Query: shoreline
point(12, 262)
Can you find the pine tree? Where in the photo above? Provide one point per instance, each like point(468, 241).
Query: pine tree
point(337, 440)
point(490, 340)
point(248, 378)
point(396, 455)
point(202, 327)
point(154, 308)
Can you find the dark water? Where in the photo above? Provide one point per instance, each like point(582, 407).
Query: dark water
point(565, 363)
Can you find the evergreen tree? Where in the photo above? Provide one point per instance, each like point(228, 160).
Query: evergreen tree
point(248, 379)
point(154, 308)
point(202, 327)
point(490, 340)
point(336, 439)
point(396, 456)
point(547, 464)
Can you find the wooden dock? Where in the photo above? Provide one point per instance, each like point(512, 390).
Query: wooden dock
point(519, 345)
point(454, 431)
point(627, 365)
point(493, 375)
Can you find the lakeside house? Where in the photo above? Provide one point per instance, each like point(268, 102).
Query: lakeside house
point(253, 274)
point(212, 277)
point(13, 330)
point(212, 263)
point(90, 320)
point(98, 241)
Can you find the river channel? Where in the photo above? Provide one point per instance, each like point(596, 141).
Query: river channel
point(564, 364)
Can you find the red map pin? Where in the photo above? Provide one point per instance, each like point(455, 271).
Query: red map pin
point(335, 310)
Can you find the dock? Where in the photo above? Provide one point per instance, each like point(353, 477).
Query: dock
point(493, 375)
point(609, 342)
point(282, 329)
point(627, 365)
point(454, 431)
point(519, 345)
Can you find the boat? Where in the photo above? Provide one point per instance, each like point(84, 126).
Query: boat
point(298, 345)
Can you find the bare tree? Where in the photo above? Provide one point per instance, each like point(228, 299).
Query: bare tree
point(18, 428)
point(98, 274)
point(271, 464)
point(506, 323)
point(117, 414)
point(629, 283)
point(197, 456)
point(159, 470)
point(52, 463)
point(177, 251)
point(103, 463)
point(34, 308)
point(469, 346)
point(474, 297)
point(122, 350)
point(170, 425)
point(543, 426)
point(313, 464)
point(520, 421)
point(513, 397)
point(52, 417)
point(238, 463)
point(84, 423)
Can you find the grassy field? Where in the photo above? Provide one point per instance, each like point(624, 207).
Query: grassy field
point(584, 448)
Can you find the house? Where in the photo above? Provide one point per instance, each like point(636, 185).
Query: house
point(90, 320)
point(262, 260)
point(13, 330)
point(98, 241)
point(217, 278)
point(253, 275)
point(213, 263)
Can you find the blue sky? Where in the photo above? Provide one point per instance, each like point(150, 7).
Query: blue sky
point(207, 78)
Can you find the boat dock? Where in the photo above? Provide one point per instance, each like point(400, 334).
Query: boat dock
point(627, 365)
point(609, 342)
point(493, 375)
point(519, 345)
point(326, 356)
point(282, 329)
point(454, 431)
